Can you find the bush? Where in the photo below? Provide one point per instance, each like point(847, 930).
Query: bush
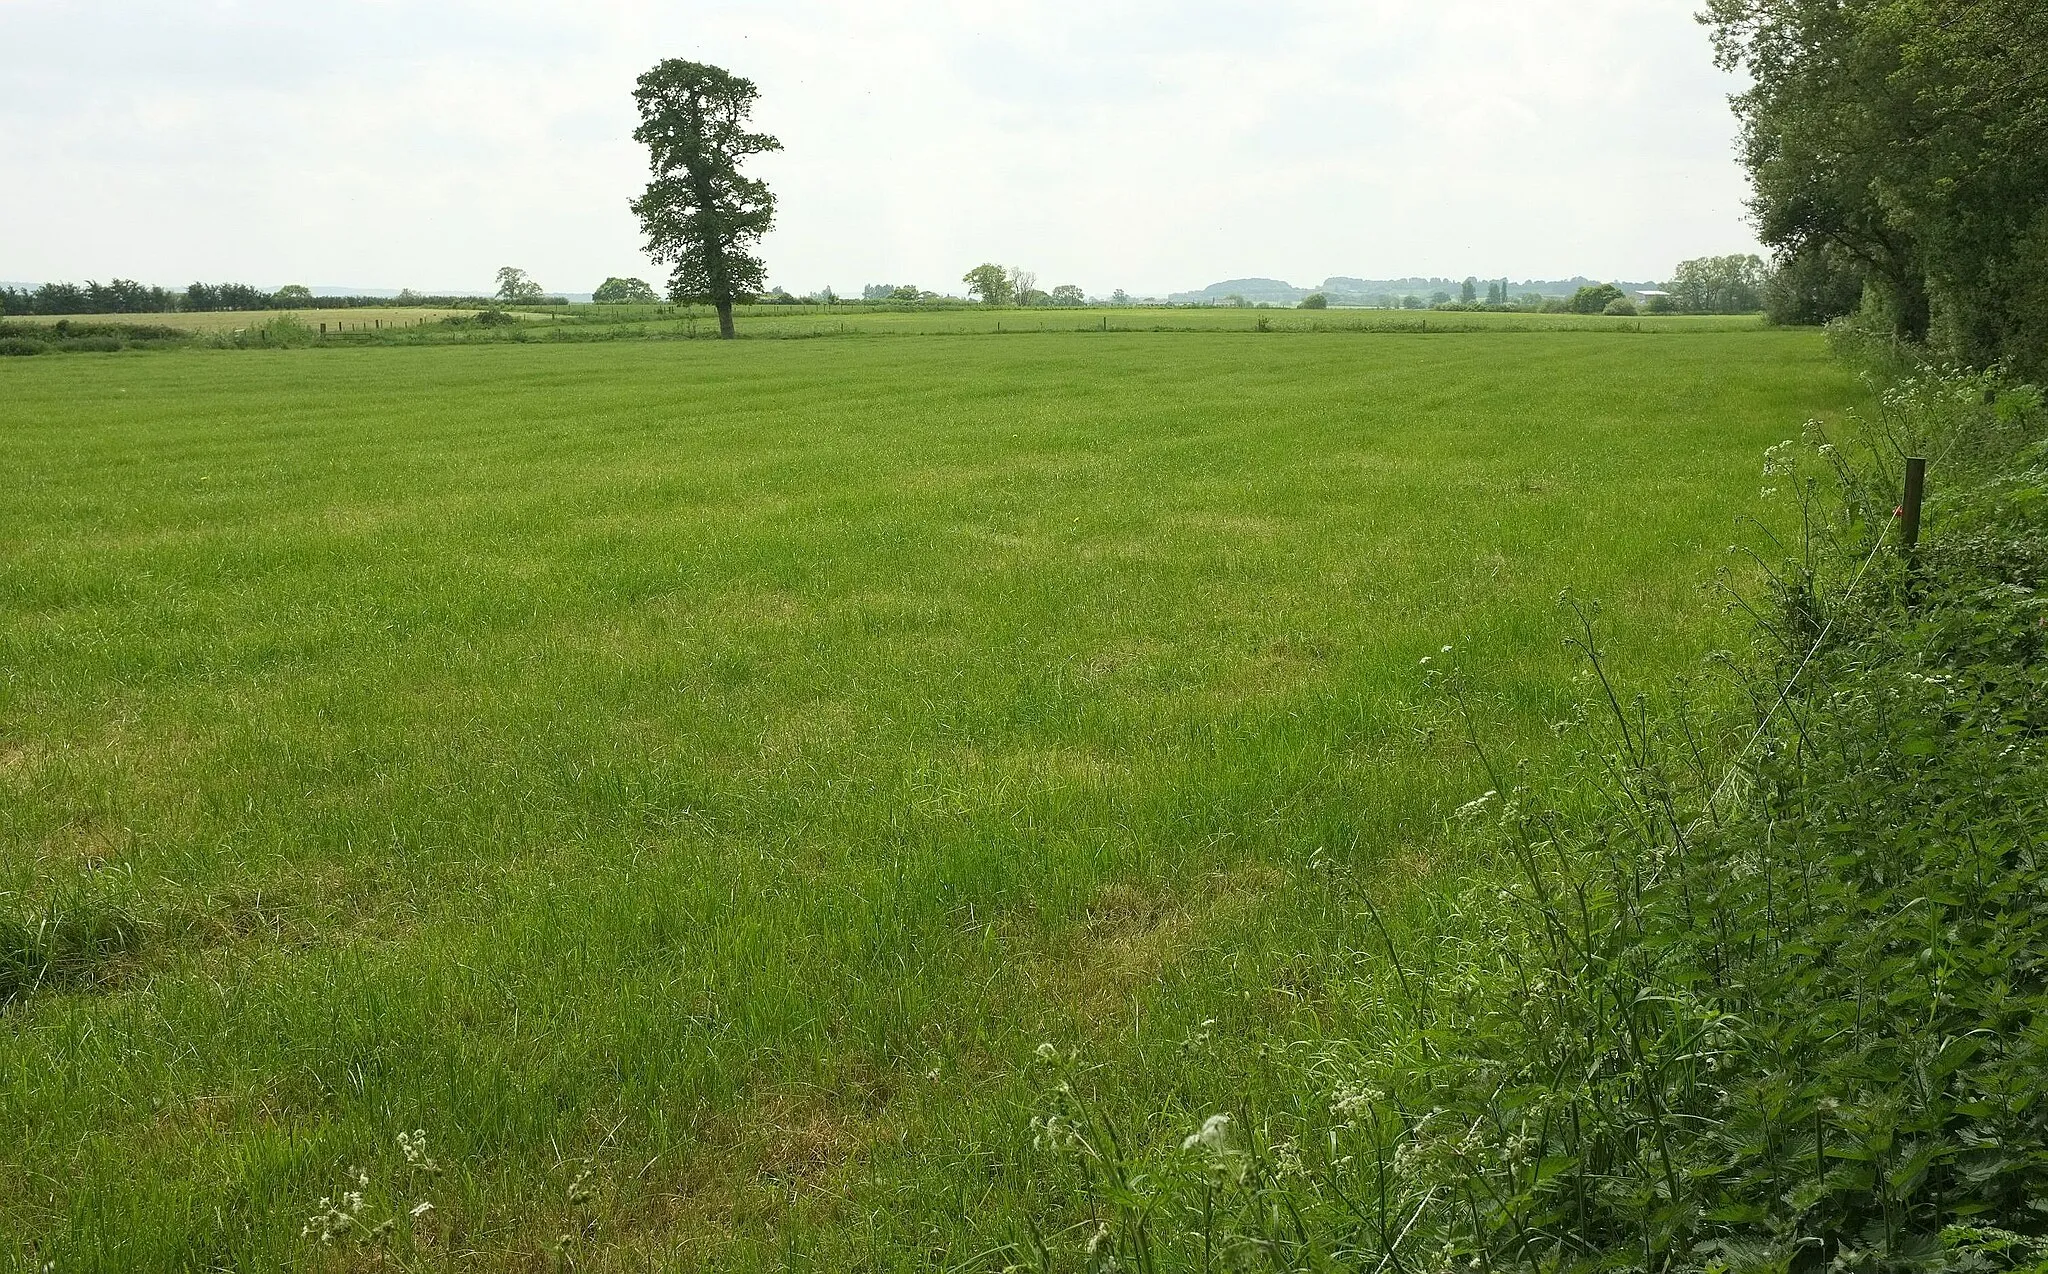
point(1314, 301)
point(1621, 306)
point(18, 345)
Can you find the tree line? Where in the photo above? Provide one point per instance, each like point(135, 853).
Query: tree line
point(1898, 151)
point(126, 296)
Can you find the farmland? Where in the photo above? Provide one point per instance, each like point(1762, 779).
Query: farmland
point(587, 322)
point(208, 321)
point(690, 780)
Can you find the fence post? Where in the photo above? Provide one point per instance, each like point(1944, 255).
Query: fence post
point(1909, 506)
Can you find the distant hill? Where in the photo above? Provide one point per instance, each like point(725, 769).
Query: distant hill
point(1271, 291)
point(1346, 290)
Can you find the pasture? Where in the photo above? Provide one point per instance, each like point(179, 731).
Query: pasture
point(690, 780)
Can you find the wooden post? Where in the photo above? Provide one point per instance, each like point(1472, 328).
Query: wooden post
point(1909, 507)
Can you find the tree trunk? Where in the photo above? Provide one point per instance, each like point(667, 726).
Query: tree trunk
point(724, 320)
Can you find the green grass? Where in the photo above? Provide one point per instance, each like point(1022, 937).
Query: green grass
point(721, 765)
point(797, 321)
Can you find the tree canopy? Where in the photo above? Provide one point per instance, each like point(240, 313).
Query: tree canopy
point(989, 282)
point(616, 290)
point(1718, 285)
point(700, 213)
point(515, 288)
point(1907, 139)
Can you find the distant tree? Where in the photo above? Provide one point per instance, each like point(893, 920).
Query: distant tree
point(1439, 298)
point(199, 298)
point(1033, 296)
point(1620, 305)
point(515, 288)
point(1593, 298)
point(877, 291)
point(1719, 285)
point(990, 283)
point(1468, 291)
point(1530, 300)
point(700, 213)
point(1314, 301)
point(618, 291)
point(825, 296)
point(1657, 305)
point(1068, 294)
point(406, 296)
point(1411, 302)
point(61, 298)
point(907, 292)
point(1119, 297)
point(1236, 301)
point(1023, 283)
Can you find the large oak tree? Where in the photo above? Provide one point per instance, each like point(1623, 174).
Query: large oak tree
point(701, 214)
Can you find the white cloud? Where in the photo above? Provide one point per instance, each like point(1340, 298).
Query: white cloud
point(1151, 146)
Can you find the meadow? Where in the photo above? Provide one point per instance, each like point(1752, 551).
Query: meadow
point(587, 322)
point(690, 781)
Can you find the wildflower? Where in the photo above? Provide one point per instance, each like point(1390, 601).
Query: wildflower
point(413, 1146)
point(1098, 1240)
point(1476, 807)
point(1353, 1100)
point(1214, 1134)
point(1048, 1053)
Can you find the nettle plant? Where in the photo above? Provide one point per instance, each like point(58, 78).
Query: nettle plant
point(1779, 1013)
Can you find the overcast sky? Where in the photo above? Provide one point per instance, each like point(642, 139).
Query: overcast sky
point(1148, 146)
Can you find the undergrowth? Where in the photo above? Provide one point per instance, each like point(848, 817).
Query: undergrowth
point(1774, 1010)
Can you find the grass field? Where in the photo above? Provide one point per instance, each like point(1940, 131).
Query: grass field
point(690, 780)
point(798, 321)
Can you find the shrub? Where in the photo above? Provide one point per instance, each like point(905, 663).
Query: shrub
point(18, 345)
point(1314, 301)
point(1620, 305)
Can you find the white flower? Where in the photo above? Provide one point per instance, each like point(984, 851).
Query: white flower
point(1474, 807)
point(1215, 1134)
